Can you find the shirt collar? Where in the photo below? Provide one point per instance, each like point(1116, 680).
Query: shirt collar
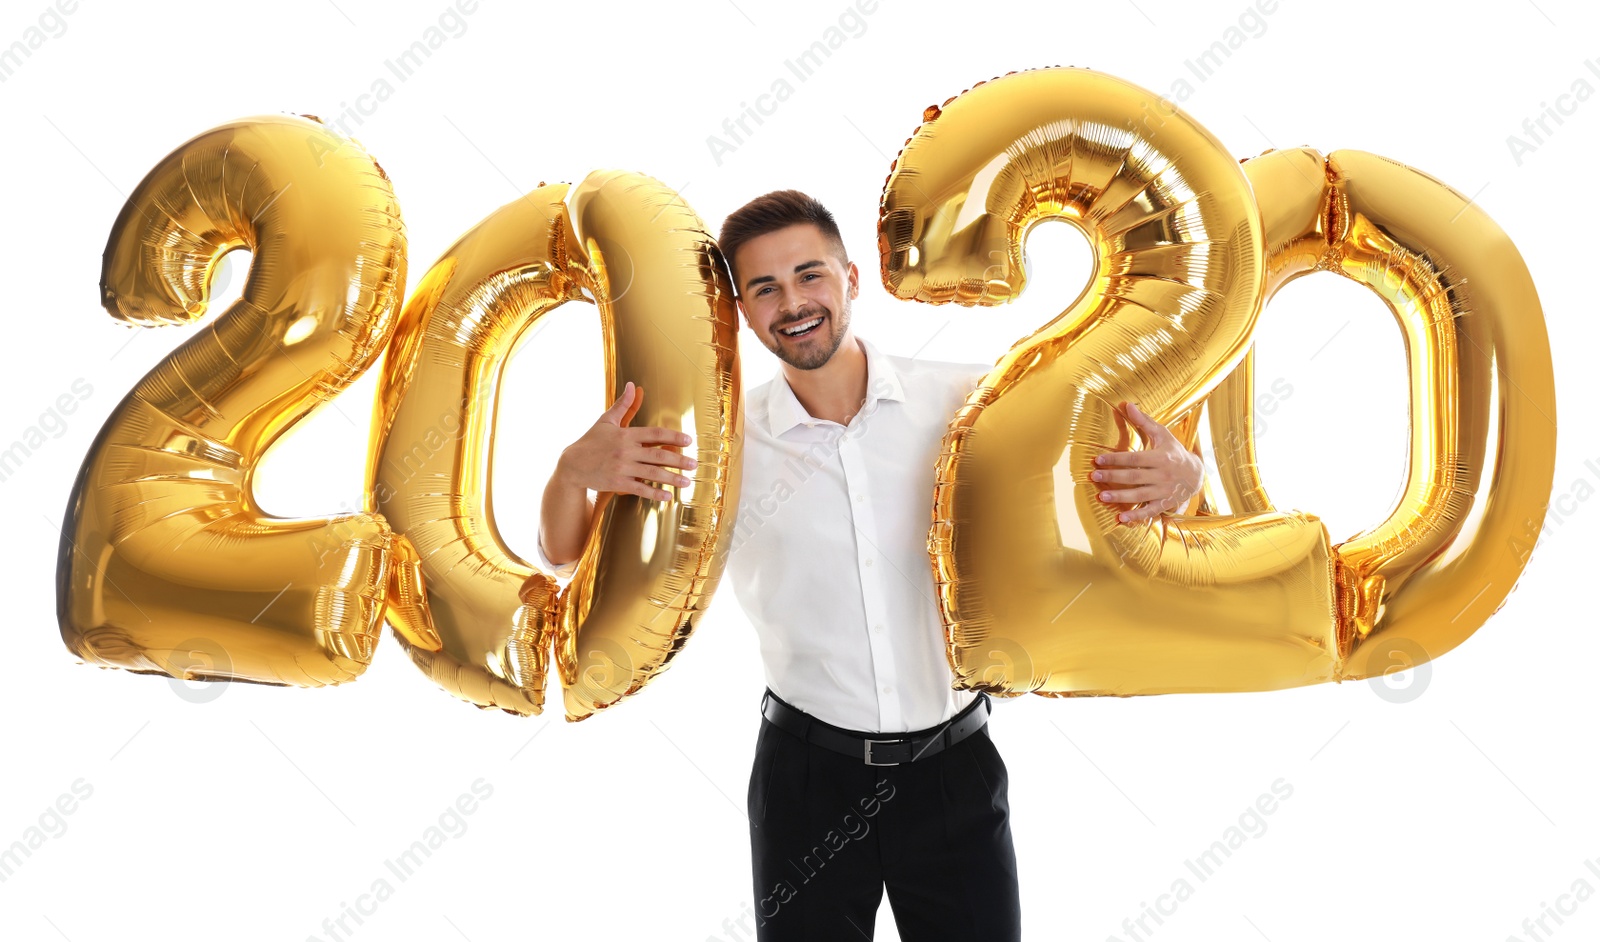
point(784, 410)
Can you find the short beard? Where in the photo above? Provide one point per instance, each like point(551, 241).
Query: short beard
point(818, 356)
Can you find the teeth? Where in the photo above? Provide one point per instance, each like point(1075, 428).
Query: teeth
point(800, 328)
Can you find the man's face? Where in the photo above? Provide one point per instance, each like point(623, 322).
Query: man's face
point(795, 292)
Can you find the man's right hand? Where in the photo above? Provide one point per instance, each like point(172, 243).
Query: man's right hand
point(614, 457)
point(609, 457)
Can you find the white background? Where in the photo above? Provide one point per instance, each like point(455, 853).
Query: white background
point(1454, 808)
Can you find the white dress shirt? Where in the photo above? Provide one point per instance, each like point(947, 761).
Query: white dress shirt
point(829, 551)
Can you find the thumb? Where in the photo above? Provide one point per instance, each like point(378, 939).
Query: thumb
point(614, 415)
point(1121, 418)
point(1152, 429)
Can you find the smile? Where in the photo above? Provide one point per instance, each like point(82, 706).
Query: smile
point(802, 328)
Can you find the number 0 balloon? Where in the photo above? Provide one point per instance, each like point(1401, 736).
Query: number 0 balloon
point(475, 617)
point(1482, 396)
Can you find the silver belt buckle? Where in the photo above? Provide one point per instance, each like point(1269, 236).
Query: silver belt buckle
point(866, 751)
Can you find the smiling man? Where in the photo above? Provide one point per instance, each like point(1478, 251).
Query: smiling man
point(862, 735)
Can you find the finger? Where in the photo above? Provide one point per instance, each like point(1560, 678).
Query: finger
point(644, 489)
point(657, 435)
point(1123, 438)
point(633, 409)
point(1142, 458)
point(1152, 429)
point(1126, 476)
point(660, 475)
point(1136, 495)
point(667, 459)
point(618, 414)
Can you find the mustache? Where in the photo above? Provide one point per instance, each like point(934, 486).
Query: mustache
point(800, 319)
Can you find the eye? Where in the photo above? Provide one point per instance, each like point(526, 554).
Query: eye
point(761, 291)
point(812, 274)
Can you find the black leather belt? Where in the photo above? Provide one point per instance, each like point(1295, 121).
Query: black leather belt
point(876, 748)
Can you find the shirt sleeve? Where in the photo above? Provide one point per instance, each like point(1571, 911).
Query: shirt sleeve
point(560, 572)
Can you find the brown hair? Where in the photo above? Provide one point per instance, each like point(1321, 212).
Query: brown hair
point(771, 212)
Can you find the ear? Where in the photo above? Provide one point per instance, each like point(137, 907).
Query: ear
point(855, 281)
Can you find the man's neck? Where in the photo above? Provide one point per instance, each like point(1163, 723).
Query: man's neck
point(836, 389)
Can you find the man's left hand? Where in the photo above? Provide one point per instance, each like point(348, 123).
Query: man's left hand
point(1161, 478)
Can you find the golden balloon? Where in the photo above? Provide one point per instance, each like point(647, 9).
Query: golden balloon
point(1482, 396)
point(456, 594)
point(1040, 589)
point(475, 617)
point(164, 551)
point(167, 565)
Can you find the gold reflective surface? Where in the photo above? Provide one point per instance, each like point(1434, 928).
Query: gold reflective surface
point(166, 564)
point(1039, 587)
point(475, 617)
point(1482, 397)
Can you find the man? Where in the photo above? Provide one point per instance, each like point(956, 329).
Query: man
point(870, 771)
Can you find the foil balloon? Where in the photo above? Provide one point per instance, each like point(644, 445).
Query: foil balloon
point(472, 614)
point(167, 564)
point(671, 326)
point(477, 618)
point(1482, 397)
point(1039, 588)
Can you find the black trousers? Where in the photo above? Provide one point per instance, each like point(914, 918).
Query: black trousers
point(829, 833)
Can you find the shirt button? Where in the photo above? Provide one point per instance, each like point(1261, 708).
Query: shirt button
point(859, 497)
point(878, 629)
point(869, 560)
point(888, 689)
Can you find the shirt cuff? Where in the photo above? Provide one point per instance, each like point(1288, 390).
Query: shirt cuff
point(560, 572)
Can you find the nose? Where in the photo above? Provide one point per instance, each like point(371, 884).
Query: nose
point(788, 302)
